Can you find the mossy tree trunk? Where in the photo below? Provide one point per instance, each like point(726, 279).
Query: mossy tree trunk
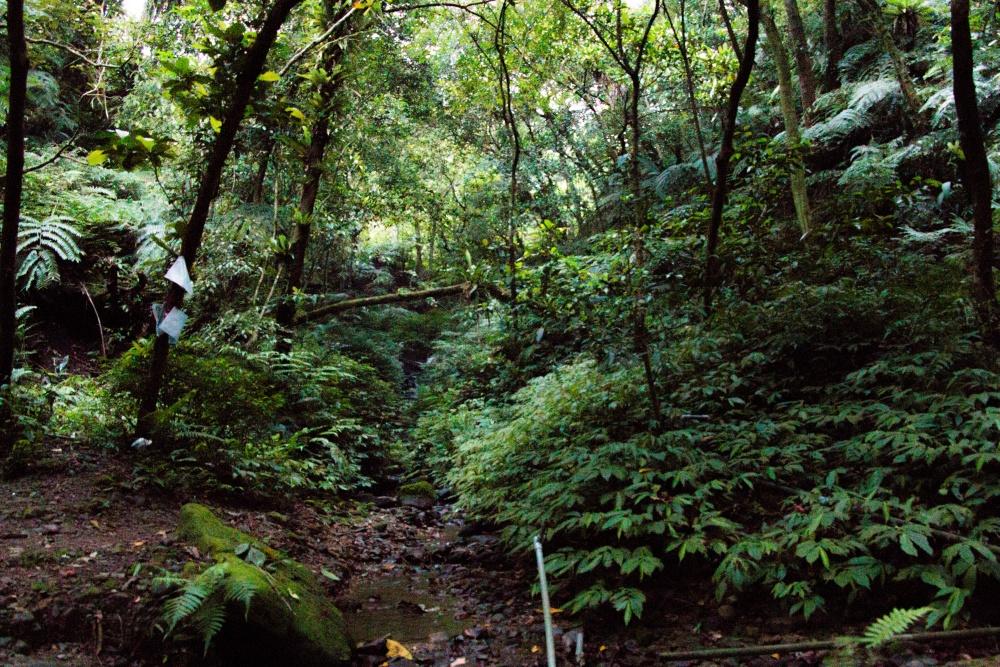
point(793, 136)
point(295, 259)
point(803, 59)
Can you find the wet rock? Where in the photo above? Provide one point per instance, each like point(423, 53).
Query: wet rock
point(385, 502)
point(420, 495)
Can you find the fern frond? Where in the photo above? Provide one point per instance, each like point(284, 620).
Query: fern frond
point(209, 619)
point(869, 94)
point(185, 604)
point(241, 591)
point(891, 625)
point(837, 127)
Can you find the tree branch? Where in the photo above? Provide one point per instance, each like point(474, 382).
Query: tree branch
point(72, 51)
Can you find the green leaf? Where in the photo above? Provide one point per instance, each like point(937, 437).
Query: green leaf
point(269, 76)
point(97, 157)
point(215, 123)
point(256, 557)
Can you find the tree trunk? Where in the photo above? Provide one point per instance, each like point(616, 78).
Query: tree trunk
point(975, 172)
point(246, 80)
point(906, 85)
point(803, 61)
point(726, 151)
point(506, 98)
point(793, 138)
point(257, 191)
point(12, 207)
point(295, 260)
point(640, 332)
point(834, 45)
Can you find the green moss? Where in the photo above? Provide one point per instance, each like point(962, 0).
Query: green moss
point(421, 489)
point(291, 621)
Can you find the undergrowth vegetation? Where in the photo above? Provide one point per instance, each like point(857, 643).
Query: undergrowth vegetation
point(825, 439)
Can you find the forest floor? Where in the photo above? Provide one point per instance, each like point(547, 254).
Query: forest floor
point(78, 542)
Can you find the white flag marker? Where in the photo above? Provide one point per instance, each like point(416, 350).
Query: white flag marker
point(179, 275)
point(173, 322)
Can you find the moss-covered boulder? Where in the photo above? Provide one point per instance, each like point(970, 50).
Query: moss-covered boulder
point(417, 494)
point(291, 620)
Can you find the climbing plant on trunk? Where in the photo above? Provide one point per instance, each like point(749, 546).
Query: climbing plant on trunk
point(328, 80)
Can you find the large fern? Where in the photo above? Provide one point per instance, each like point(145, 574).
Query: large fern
point(42, 245)
point(890, 626)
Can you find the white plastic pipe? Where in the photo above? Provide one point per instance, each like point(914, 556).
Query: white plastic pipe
point(550, 642)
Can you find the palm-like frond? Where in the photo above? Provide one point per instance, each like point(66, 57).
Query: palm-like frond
point(869, 94)
point(43, 244)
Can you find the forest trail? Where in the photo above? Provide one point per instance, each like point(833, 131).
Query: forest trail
point(77, 553)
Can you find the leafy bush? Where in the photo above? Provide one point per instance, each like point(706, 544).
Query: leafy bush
point(821, 444)
point(265, 422)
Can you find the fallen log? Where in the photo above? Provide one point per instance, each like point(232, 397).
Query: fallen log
point(463, 289)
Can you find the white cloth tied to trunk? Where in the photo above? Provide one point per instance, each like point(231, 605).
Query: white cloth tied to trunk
point(178, 274)
point(173, 322)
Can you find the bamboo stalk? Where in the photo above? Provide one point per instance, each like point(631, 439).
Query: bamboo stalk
point(767, 649)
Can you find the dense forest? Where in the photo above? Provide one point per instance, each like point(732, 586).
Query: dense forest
point(496, 332)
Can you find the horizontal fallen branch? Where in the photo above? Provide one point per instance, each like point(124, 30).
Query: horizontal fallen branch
point(463, 289)
point(823, 645)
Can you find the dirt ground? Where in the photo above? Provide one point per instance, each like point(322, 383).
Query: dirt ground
point(79, 542)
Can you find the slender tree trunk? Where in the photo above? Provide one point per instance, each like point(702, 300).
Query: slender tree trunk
point(500, 43)
point(906, 85)
point(680, 39)
point(418, 246)
point(246, 80)
point(295, 259)
point(640, 332)
point(18, 51)
point(257, 191)
point(975, 172)
point(726, 151)
point(793, 138)
point(803, 60)
point(834, 45)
